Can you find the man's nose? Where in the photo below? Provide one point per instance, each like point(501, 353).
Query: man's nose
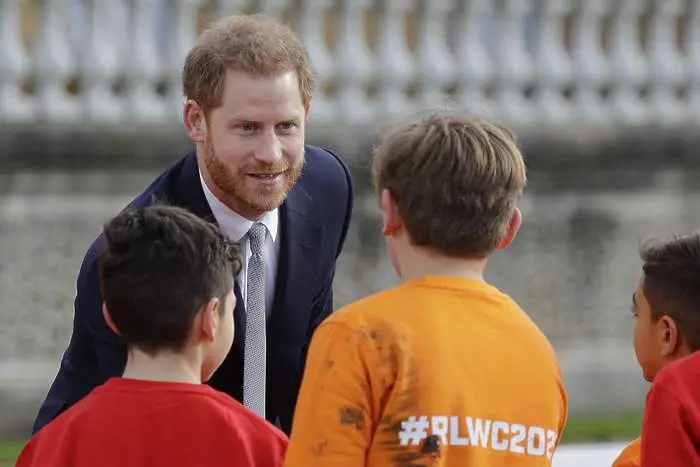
point(270, 149)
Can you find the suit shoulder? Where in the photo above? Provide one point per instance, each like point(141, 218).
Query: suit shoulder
point(326, 175)
point(326, 161)
point(159, 190)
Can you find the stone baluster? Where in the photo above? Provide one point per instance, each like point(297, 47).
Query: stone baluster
point(15, 105)
point(666, 65)
point(183, 35)
point(514, 71)
point(312, 33)
point(143, 66)
point(692, 70)
point(436, 68)
point(591, 69)
point(54, 64)
point(552, 63)
point(395, 65)
point(272, 8)
point(353, 64)
point(99, 64)
point(229, 7)
point(474, 66)
point(629, 66)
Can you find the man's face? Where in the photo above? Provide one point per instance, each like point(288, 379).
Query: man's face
point(253, 151)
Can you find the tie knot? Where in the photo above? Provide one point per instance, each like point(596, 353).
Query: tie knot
point(256, 236)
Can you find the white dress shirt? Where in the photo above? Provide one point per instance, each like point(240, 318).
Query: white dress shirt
point(236, 227)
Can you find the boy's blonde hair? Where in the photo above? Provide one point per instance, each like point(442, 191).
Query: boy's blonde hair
point(456, 180)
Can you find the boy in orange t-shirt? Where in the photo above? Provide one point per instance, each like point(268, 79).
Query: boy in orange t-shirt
point(167, 282)
point(630, 456)
point(444, 369)
point(666, 340)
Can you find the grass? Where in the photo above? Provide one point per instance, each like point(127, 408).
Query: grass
point(611, 427)
point(9, 451)
point(597, 428)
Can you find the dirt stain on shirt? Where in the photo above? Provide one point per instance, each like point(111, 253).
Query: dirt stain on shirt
point(352, 415)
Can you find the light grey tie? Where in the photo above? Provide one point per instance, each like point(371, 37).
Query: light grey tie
point(254, 358)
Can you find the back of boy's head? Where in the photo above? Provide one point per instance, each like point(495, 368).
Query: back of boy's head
point(160, 266)
point(672, 283)
point(456, 181)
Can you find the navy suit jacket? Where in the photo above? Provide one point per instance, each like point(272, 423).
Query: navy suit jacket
point(314, 220)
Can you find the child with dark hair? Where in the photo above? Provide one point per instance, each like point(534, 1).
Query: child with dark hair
point(167, 280)
point(666, 306)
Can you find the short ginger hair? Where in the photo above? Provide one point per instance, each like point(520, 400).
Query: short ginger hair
point(252, 44)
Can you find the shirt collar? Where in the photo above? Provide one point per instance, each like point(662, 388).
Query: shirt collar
point(233, 224)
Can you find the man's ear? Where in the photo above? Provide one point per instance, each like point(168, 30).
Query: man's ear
point(208, 320)
point(195, 121)
point(516, 220)
point(391, 219)
point(108, 319)
point(668, 335)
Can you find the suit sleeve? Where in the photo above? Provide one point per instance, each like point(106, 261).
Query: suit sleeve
point(323, 302)
point(94, 353)
point(109, 348)
point(333, 423)
point(667, 435)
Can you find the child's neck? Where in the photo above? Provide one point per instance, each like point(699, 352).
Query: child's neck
point(419, 263)
point(165, 367)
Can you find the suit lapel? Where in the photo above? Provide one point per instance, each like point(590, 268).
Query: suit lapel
point(300, 240)
point(189, 194)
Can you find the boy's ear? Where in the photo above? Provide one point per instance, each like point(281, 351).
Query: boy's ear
point(209, 318)
point(668, 336)
point(108, 319)
point(516, 220)
point(391, 219)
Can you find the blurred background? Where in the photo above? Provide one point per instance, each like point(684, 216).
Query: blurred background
point(604, 94)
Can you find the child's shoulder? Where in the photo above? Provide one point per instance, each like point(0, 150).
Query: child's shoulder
point(685, 371)
point(239, 417)
point(367, 306)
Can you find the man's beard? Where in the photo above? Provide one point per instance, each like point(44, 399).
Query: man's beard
point(233, 182)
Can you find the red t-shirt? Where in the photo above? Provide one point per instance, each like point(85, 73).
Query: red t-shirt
point(671, 427)
point(128, 422)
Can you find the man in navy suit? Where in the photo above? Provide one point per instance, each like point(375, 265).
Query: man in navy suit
point(247, 85)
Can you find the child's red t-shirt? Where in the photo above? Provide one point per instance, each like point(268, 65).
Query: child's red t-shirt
point(156, 424)
point(671, 427)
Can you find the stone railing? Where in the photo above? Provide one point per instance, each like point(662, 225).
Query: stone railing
point(529, 62)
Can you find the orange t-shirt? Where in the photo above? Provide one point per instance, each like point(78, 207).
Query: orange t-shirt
point(439, 371)
point(134, 423)
point(631, 456)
